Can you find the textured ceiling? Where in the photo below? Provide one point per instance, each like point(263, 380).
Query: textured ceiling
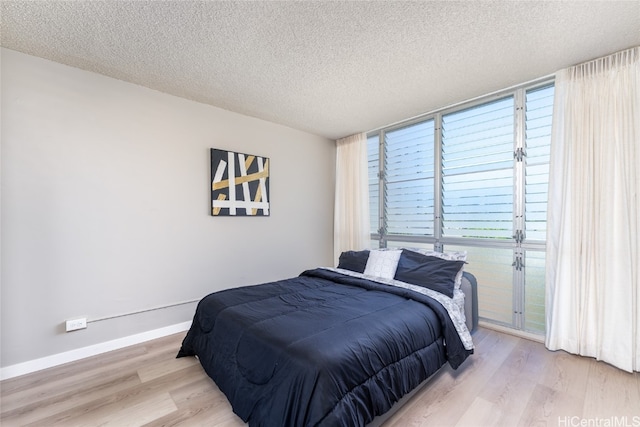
point(331, 68)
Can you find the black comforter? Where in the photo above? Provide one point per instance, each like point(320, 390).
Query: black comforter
point(320, 349)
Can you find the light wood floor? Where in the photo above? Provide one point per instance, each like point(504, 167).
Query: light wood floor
point(510, 381)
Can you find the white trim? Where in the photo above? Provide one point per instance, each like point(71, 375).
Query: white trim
point(515, 332)
point(92, 350)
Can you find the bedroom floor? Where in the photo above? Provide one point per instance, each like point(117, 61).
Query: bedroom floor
point(509, 381)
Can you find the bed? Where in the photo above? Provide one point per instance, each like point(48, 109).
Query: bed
point(336, 346)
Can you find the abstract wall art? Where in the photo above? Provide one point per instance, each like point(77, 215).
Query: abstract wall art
point(239, 184)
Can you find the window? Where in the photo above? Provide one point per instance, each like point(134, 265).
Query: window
point(539, 109)
point(473, 178)
point(477, 171)
point(409, 178)
point(373, 164)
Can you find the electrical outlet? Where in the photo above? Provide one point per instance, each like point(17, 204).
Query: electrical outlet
point(75, 324)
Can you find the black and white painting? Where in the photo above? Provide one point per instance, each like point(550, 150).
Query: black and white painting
point(239, 184)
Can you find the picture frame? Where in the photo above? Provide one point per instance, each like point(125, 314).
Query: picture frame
point(239, 184)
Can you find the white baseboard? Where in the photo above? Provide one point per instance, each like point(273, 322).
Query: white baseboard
point(515, 332)
point(92, 350)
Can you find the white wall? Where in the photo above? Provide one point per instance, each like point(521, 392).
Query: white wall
point(105, 206)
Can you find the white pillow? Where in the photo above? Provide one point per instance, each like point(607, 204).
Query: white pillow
point(382, 263)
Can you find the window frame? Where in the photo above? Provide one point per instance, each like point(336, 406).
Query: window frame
point(519, 94)
point(518, 246)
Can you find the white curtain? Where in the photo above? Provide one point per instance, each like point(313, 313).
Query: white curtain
point(351, 218)
point(593, 250)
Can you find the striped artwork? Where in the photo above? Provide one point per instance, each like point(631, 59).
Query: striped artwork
point(239, 184)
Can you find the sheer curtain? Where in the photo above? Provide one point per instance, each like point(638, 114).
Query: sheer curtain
point(593, 250)
point(351, 218)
